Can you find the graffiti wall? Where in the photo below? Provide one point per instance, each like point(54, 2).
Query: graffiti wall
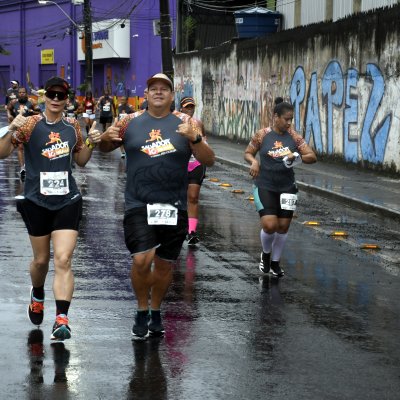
point(342, 78)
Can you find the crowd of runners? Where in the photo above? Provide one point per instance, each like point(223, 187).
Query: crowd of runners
point(161, 205)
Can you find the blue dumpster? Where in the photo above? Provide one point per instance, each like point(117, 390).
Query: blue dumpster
point(257, 21)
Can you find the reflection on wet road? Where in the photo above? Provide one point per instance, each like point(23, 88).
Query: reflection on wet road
point(328, 330)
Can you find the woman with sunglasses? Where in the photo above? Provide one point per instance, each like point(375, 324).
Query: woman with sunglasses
point(52, 204)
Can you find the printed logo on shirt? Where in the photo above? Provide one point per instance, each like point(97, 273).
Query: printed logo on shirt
point(278, 150)
point(57, 148)
point(158, 146)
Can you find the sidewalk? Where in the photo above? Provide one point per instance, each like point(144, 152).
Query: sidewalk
point(361, 189)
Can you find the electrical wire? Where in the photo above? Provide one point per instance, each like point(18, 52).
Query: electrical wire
point(33, 36)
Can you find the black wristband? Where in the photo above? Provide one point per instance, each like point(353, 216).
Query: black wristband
point(198, 139)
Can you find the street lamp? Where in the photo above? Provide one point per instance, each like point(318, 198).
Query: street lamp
point(43, 2)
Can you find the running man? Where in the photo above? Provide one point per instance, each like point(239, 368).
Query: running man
point(12, 93)
point(72, 107)
point(106, 107)
point(52, 204)
point(158, 144)
point(275, 187)
point(196, 173)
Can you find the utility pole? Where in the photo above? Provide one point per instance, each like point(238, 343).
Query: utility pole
point(165, 31)
point(87, 21)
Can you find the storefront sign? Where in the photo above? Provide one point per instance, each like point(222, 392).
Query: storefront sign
point(47, 56)
point(109, 40)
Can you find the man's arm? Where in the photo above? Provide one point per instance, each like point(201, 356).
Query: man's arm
point(201, 150)
point(203, 153)
point(110, 139)
point(10, 106)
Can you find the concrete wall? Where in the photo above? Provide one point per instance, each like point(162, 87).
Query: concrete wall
point(342, 78)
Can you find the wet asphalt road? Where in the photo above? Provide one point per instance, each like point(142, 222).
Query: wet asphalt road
point(328, 330)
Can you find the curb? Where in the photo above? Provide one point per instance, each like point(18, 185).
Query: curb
point(329, 194)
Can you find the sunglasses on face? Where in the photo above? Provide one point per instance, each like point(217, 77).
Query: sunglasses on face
point(52, 94)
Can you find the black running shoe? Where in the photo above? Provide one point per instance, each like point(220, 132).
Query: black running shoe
point(36, 310)
point(276, 270)
point(156, 327)
point(140, 329)
point(22, 173)
point(264, 262)
point(193, 239)
point(61, 330)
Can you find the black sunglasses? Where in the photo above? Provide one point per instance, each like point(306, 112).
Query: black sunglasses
point(52, 94)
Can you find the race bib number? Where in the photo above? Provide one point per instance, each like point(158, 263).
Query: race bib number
point(54, 183)
point(162, 214)
point(288, 201)
point(106, 108)
point(71, 115)
point(88, 111)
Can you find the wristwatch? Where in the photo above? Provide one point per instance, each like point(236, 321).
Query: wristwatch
point(89, 145)
point(198, 139)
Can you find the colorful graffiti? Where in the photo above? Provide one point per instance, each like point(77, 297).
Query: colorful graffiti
point(341, 112)
point(339, 93)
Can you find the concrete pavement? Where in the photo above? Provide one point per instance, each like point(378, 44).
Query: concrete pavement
point(363, 189)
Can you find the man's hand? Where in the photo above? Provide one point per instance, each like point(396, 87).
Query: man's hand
point(187, 131)
point(18, 121)
point(112, 133)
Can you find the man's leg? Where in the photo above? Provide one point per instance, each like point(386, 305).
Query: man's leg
point(142, 279)
point(162, 278)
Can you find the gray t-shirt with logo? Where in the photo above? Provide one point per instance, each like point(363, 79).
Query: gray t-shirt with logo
point(48, 150)
point(157, 158)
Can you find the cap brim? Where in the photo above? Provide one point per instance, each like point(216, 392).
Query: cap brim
point(152, 80)
point(188, 104)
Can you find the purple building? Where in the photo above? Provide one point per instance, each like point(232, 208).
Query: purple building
point(41, 40)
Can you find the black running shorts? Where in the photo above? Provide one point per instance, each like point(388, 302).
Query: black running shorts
point(196, 176)
point(41, 221)
point(105, 120)
point(166, 239)
point(268, 203)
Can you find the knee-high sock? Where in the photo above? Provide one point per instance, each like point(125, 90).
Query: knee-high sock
point(193, 224)
point(266, 241)
point(278, 245)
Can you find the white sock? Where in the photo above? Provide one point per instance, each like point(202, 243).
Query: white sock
point(278, 245)
point(266, 240)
